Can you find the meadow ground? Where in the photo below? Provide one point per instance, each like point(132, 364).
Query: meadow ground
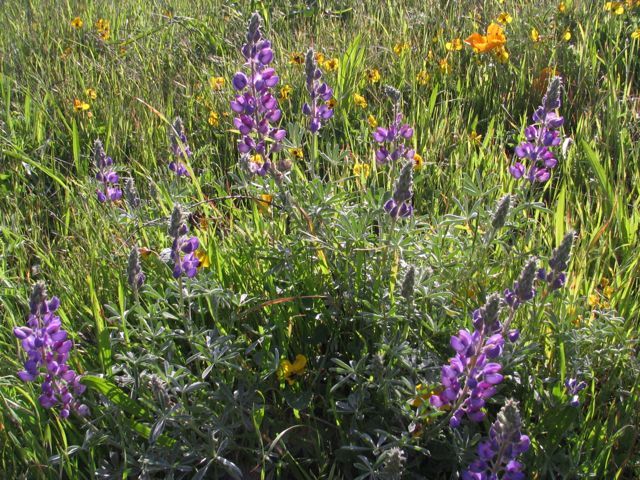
point(291, 280)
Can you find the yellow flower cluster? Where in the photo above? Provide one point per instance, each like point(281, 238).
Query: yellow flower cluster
point(104, 28)
point(360, 101)
point(373, 75)
point(216, 83)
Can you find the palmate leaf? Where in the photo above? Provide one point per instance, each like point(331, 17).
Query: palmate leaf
point(130, 406)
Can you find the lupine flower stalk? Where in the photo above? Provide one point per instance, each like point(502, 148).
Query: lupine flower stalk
point(179, 148)
point(392, 139)
point(131, 193)
point(108, 178)
point(574, 387)
point(47, 347)
point(535, 158)
point(399, 205)
point(318, 90)
point(471, 376)
point(558, 264)
point(497, 455)
point(255, 104)
point(135, 275)
point(183, 248)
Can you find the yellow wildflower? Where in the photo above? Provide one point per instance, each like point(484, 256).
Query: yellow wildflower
point(371, 120)
point(594, 300)
point(373, 75)
point(504, 18)
point(205, 261)
point(360, 101)
point(91, 93)
point(475, 138)
point(423, 393)
point(430, 55)
point(494, 38)
point(214, 119)
point(285, 91)
point(331, 103)
point(297, 152)
point(319, 58)
point(264, 204)
point(361, 169)
point(80, 106)
point(77, 23)
point(399, 48)
point(444, 66)
point(216, 83)
point(566, 36)
point(331, 65)
point(562, 7)
point(453, 45)
point(296, 58)
point(418, 161)
point(608, 291)
point(534, 35)
point(616, 8)
point(290, 371)
point(423, 77)
point(636, 34)
point(104, 28)
point(502, 55)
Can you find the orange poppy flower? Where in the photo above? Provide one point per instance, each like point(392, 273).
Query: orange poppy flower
point(485, 43)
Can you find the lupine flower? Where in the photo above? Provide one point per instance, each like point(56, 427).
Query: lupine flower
point(183, 249)
point(393, 463)
point(541, 137)
point(497, 454)
point(470, 378)
point(399, 205)
point(179, 148)
point(392, 139)
point(318, 90)
point(500, 215)
point(573, 388)
point(558, 264)
point(135, 275)
point(255, 104)
point(47, 348)
point(106, 175)
point(408, 285)
point(131, 194)
point(523, 289)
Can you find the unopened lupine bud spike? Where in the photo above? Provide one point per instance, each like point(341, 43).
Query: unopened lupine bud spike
point(408, 284)
point(500, 215)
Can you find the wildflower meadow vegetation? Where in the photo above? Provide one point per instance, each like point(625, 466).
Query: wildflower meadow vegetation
point(319, 239)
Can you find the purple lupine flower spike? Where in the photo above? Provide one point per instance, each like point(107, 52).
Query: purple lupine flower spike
point(318, 90)
point(393, 139)
point(399, 205)
point(183, 248)
point(47, 348)
point(106, 175)
point(523, 289)
point(535, 159)
point(558, 264)
point(256, 107)
point(574, 387)
point(179, 148)
point(497, 455)
point(471, 376)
